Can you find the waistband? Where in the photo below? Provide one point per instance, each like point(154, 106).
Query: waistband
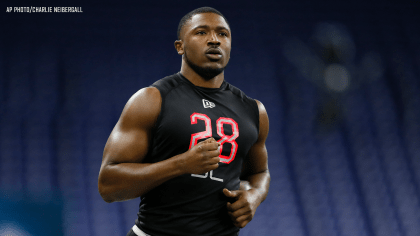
point(138, 231)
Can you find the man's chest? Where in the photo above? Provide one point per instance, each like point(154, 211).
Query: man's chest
point(188, 117)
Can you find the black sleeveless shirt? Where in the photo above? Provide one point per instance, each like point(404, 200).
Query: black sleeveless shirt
point(194, 205)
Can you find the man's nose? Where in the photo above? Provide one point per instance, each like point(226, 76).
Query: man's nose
point(213, 39)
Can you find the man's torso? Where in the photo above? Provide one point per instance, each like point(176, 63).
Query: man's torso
point(195, 204)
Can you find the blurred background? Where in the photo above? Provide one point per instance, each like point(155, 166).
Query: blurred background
point(340, 81)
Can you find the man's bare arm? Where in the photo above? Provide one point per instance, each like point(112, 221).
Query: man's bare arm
point(255, 169)
point(122, 175)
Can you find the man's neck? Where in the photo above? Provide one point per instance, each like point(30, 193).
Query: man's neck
point(197, 80)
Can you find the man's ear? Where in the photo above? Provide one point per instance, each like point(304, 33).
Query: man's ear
point(179, 46)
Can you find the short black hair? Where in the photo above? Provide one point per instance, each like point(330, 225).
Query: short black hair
point(192, 13)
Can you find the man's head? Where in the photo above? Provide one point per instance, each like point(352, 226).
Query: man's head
point(204, 41)
point(190, 14)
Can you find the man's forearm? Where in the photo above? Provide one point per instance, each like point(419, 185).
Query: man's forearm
point(259, 182)
point(124, 181)
point(128, 180)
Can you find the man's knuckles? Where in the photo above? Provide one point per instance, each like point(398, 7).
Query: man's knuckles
point(205, 147)
point(211, 146)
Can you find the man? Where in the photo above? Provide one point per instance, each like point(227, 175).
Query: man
point(183, 143)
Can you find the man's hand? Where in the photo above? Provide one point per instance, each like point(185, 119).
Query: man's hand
point(244, 205)
point(202, 158)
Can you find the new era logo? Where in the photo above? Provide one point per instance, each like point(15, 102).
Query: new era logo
point(208, 104)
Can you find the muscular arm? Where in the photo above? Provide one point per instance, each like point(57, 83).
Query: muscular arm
point(255, 169)
point(122, 175)
point(255, 178)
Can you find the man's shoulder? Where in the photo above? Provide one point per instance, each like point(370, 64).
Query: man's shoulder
point(144, 96)
point(142, 108)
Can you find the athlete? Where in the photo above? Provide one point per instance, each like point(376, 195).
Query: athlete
point(191, 145)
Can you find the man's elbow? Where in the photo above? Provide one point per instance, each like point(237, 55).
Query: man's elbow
point(105, 194)
point(267, 174)
point(104, 190)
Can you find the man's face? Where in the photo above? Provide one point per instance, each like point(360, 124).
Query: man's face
point(206, 42)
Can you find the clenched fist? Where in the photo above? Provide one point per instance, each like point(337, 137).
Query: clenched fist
point(245, 203)
point(201, 158)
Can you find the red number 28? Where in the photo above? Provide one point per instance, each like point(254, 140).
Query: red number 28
point(220, 131)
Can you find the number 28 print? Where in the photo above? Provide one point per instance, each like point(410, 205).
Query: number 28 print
point(220, 131)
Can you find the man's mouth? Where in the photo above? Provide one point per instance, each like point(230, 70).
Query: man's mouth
point(214, 53)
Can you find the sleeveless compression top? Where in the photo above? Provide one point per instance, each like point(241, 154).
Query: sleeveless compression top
point(194, 205)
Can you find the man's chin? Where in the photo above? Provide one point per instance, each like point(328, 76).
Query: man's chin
point(207, 72)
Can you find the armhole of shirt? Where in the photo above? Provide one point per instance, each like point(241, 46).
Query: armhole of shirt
point(252, 102)
point(257, 113)
point(162, 97)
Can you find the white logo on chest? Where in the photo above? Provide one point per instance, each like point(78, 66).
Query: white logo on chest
point(208, 104)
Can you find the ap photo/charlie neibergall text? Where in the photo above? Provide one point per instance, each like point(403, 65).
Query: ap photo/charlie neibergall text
point(32, 9)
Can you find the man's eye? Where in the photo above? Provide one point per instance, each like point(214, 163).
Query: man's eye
point(201, 32)
point(223, 34)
